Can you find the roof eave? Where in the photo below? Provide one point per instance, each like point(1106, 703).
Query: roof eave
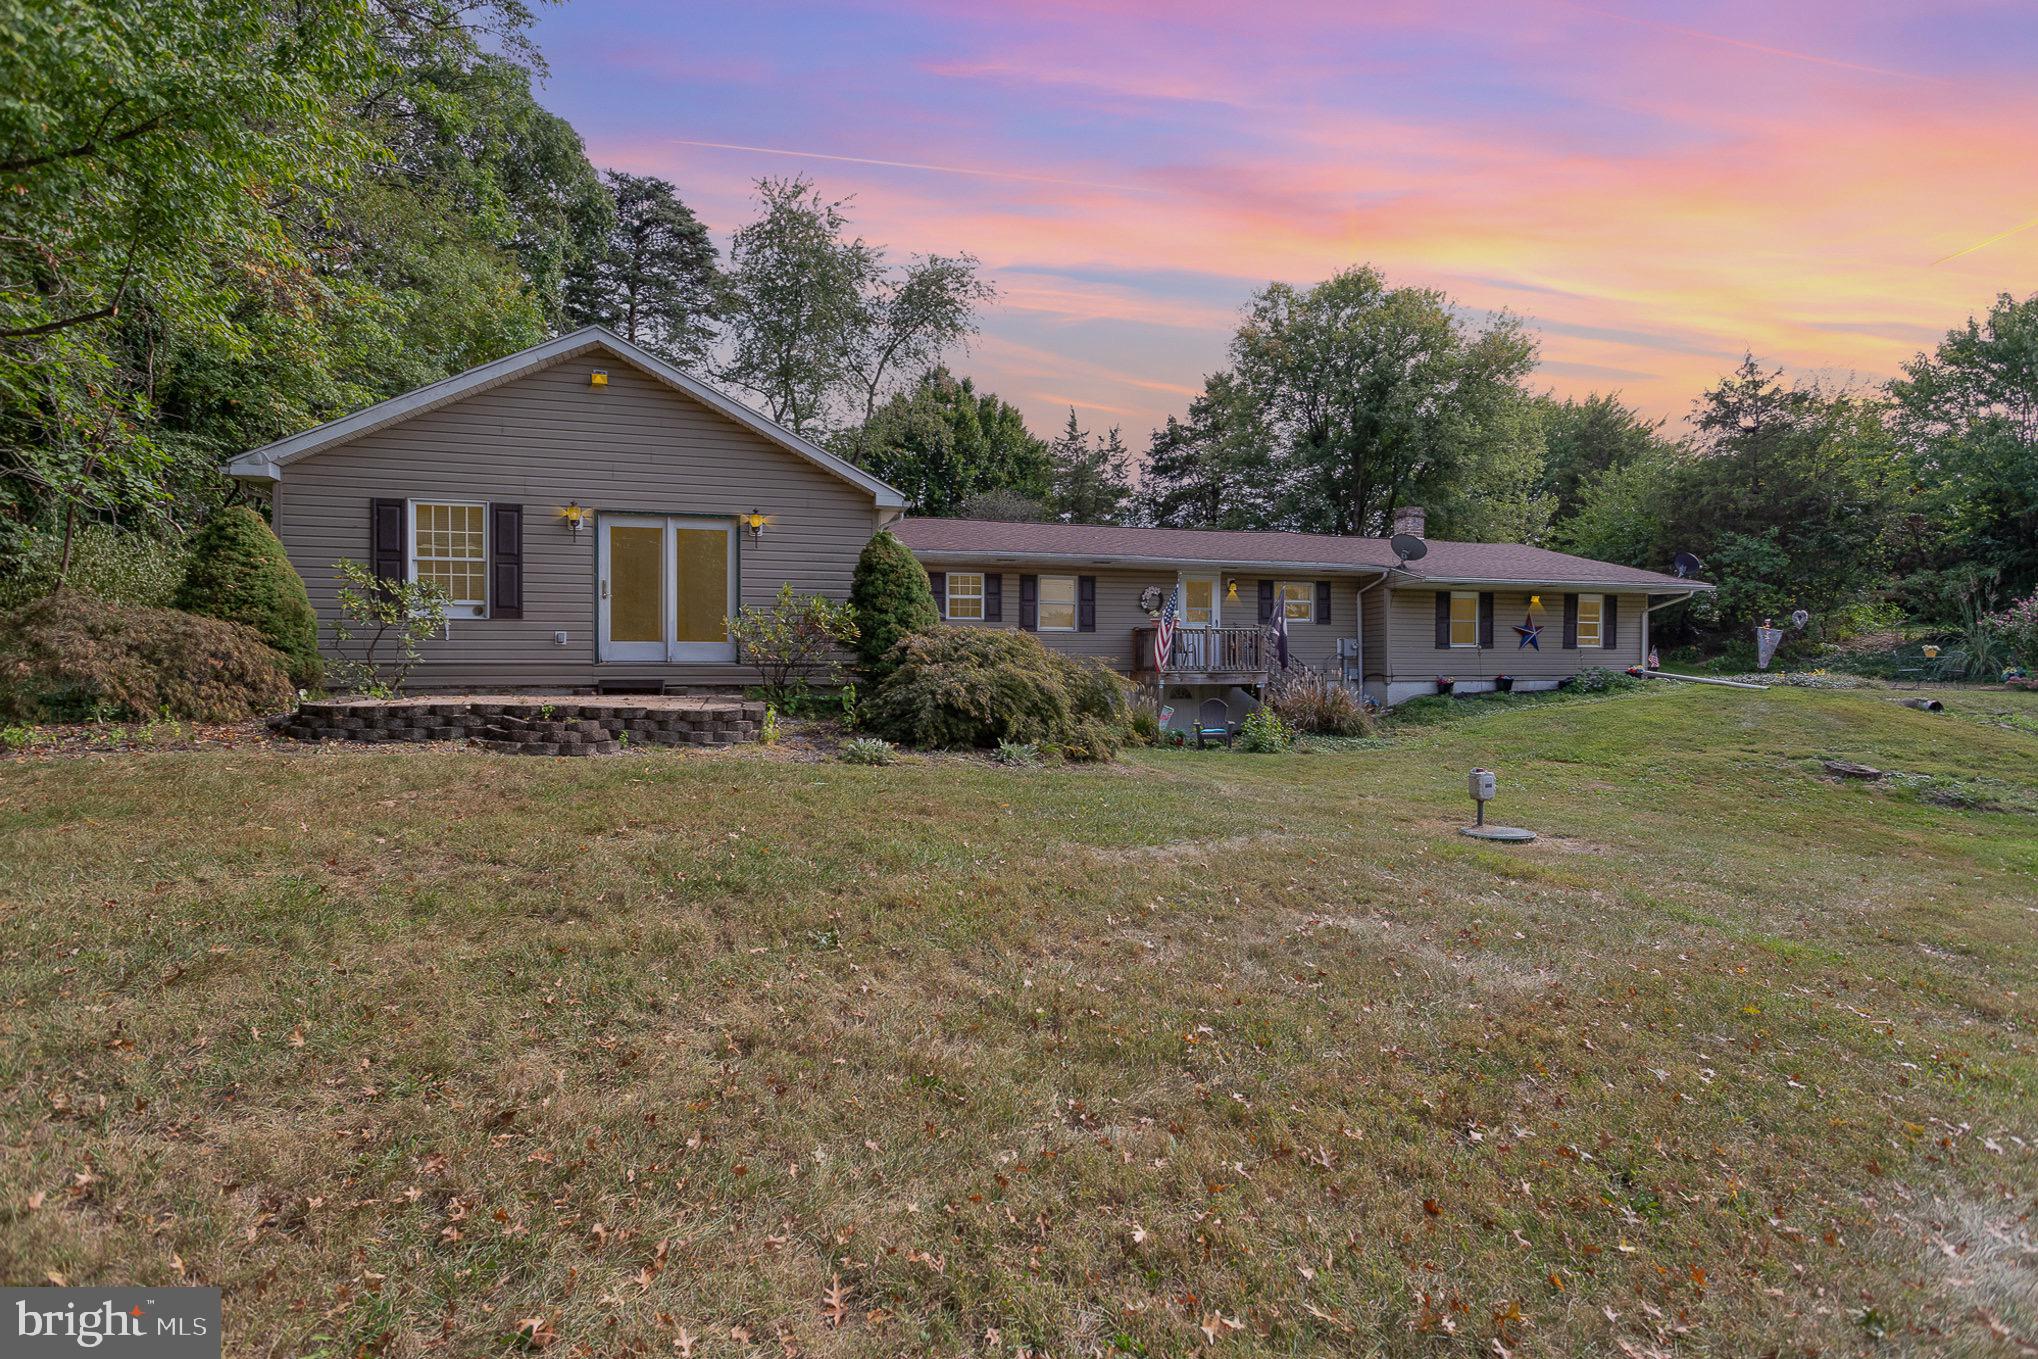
point(1665, 585)
point(1121, 559)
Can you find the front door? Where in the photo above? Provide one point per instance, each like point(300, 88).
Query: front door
point(666, 588)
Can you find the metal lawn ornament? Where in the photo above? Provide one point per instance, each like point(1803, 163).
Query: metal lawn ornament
point(1767, 638)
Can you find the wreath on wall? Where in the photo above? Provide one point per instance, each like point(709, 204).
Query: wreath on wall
point(1150, 599)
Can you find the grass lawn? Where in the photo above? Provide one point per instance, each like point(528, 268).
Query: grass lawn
point(728, 1054)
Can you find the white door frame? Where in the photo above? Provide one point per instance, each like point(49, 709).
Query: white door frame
point(698, 653)
point(667, 648)
point(607, 650)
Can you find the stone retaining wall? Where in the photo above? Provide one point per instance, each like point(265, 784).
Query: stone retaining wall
point(539, 727)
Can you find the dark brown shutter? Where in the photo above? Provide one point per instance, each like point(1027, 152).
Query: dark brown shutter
point(938, 580)
point(1486, 618)
point(1086, 603)
point(505, 561)
point(386, 522)
point(994, 596)
point(1029, 603)
point(1570, 622)
point(1443, 598)
point(1266, 601)
point(1323, 601)
point(1609, 621)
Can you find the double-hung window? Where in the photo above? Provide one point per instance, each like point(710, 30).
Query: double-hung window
point(1591, 619)
point(449, 549)
point(965, 596)
point(1199, 601)
point(1298, 600)
point(1057, 604)
point(1465, 618)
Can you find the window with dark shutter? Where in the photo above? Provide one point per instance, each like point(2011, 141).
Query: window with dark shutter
point(938, 580)
point(1609, 628)
point(1486, 618)
point(1323, 601)
point(505, 561)
point(1266, 601)
point(1570, 622)
point(1086, 603)
point(1443, 598)
point(994, 597)
point(387, 520)
point(1029, 603)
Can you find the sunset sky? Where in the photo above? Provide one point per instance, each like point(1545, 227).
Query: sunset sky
point(1654, 187)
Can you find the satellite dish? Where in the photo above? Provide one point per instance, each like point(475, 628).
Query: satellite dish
point(1408, 547)
point(1686, 565)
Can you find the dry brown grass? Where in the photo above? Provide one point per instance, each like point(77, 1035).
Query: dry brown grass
point(445, 1053)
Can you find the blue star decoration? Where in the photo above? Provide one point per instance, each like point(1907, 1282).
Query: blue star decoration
point(1531, 634)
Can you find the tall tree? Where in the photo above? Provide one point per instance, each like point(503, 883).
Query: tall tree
point(148, 149)
point(652, 278)
point(944, 443)
point(1585, 440)
point(1788, 493)
point(912, 317)
point(1967, 418)
point(1374, 396)
point(796, 302)
point(1090, 478)
point(1211, 470)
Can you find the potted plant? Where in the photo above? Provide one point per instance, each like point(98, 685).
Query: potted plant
point(1446, 683)
point(1503, 683)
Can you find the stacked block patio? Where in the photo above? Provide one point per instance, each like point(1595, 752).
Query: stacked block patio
point(532, 724)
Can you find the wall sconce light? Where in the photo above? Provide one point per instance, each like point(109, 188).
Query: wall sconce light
point(1231, 591)
point(1535, 601)
point(755, 522)
point(598, 378)
point(575, 515)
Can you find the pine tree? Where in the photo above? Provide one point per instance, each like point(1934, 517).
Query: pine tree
point(1210, 471)
point(892, 598)
point(239, 572)
point(652, 279)
point(1090, 481)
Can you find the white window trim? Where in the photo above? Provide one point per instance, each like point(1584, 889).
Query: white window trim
point(948, 597)
point(410, 551)
point(1598, 642)
point(1308, 598)
point(1216, 600)
point(1040, 604)
point(1457, 645)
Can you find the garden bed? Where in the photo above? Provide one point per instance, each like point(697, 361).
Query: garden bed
point(531, 724)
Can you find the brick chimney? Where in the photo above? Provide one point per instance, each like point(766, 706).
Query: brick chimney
point(1410, 519)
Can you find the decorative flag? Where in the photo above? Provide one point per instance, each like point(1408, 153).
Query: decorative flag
point(1281, 631)
point(1164, 633)
point(1767, 639)
point(1531, 633)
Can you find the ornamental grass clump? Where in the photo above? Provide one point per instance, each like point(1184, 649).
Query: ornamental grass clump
point(1316, 703)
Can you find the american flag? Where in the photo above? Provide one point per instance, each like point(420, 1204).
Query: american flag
point(1164, 634)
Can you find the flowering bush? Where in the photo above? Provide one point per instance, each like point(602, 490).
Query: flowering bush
point(2017, 628)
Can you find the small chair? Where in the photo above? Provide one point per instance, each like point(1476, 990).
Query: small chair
point(1213, 722)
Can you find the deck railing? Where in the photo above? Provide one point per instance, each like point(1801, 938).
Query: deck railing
point(1211, 653)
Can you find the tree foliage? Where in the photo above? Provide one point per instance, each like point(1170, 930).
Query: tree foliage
point(652, 277)
point(240, 572)
point(891, 598)
point(943, 443)
point(1089, 478)
point(1213, 469)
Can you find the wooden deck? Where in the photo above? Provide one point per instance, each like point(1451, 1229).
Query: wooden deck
point(1204, 656)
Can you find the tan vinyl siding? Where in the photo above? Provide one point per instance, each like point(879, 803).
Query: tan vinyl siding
point(1118, 589)
point(548, 438)
point(1414, 655)
point(1373, 637)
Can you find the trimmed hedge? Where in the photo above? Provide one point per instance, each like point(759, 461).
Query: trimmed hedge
point(892, 598)
point(73, 657)
point(239, 572)
point(958, 688)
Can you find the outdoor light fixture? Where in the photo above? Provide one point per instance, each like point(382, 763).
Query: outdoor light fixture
point(1231, 591)
point(1535, 601)
point(575, 515)
point(598, 378)
point(755, 522)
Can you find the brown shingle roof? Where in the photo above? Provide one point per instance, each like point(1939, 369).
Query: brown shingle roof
point(1107, 544)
